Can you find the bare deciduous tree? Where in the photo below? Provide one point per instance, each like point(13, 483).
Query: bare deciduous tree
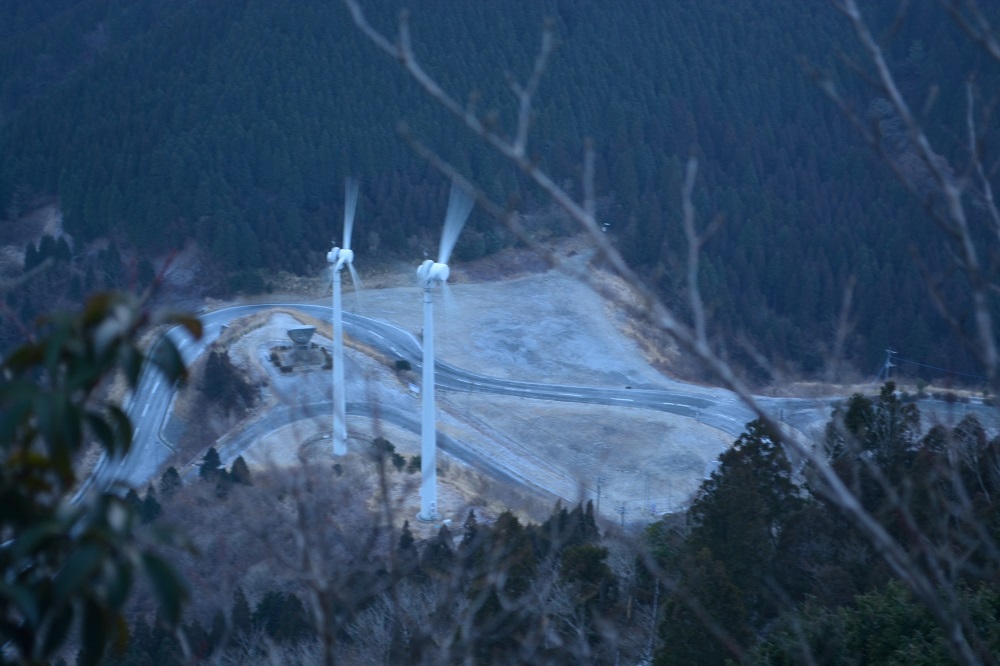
point(955, 194)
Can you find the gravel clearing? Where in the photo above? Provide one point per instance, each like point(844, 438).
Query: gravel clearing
point(544, 327)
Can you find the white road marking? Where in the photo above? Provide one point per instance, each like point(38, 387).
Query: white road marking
point(145, 409)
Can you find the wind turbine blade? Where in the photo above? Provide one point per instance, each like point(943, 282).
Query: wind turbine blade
point(459, 206)
point(350, 205)
point(357, 285)
point(449, 302)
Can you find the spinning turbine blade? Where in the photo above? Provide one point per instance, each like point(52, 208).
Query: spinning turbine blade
point(459, 206)
point(356, 279)
point(449, 306)
point(338, 257)
point(430, 274)
point(350, 205)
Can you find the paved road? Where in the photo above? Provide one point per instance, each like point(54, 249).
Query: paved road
point(149, 406)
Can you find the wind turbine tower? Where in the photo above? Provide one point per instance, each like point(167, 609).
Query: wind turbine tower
point(430, 274)
point(338, 258)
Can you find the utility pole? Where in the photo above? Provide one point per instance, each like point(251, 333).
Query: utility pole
point(885, 371)
point(600, 481)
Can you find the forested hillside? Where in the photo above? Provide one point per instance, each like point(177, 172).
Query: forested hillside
point(234, 122)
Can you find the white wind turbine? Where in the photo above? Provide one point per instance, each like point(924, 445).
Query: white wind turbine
point(338, 258)
point(430, 274)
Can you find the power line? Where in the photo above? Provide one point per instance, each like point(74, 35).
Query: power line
point(892, 360)
point(934, 367)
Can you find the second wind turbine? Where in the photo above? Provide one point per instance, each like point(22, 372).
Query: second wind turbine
point(431, 273)
point(338, 257)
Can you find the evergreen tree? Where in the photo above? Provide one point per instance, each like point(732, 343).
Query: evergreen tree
point(585, 568)
point(740, 512)
point(210, 465)
point(438, 558)
point(31, 258)
point(133, 500)
point(240, 472)
point(150, 509)
point(407, 556)
point(170, 482)
point(704, 621)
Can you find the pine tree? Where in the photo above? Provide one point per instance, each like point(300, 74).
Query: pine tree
point(240, 472)
point(438, 558)
point(210, 465)
point(150, 509)
point(132, 499)
point(407, 556)
point(170, 482)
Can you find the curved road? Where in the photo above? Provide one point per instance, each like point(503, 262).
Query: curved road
point(148, 407)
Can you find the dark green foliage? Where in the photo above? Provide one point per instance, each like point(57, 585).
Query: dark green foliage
point(407, 555)
point(500, 621)
point(885, 626)
point(398, 461)
point(150, 509)
point(68, 561)
point(224, 385)
point(240, 472)
point(414, 465)
point(384, 450)
point(584, 567)
point(565, 528)
point(133, 500)
point(704, 621)
point(170, 482)
point(739, 514)
point(873, 445)
point(282, 617)
point(776, 161)
point(211, 465)
point(438, 557)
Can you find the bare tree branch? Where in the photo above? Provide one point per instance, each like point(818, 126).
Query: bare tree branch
point(692, 338)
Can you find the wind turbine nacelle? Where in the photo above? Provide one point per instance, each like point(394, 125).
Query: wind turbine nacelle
point(340, 256)
point(431, 270)
point(346, 257)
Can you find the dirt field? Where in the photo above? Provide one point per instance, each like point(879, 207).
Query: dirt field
point(542, 326)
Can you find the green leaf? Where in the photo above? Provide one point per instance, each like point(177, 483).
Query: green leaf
point(168, 359)
point(131, 362)
point(56, 629)
point(102, 431)
point(121, 634)
point(166, 586)
point(119, 584)
point(190, 323)
point(31, 540)
point(96, 627)
point(122, 427)
point(24, 599)
point(79, 568)
point(25, 356)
